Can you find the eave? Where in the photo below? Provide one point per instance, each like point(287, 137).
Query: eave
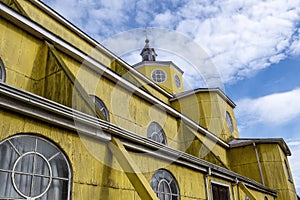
point(157, 63)
point(27, 104)
point(207, 90)
point(240, 142)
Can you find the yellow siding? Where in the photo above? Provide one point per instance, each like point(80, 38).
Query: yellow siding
point(49, 23)
point(246, 165)
point(169, 84)
point(273, 166)
point(71, 37)
point(209, 110)
point(30, 65)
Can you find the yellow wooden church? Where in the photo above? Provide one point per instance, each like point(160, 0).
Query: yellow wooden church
point(86, 126)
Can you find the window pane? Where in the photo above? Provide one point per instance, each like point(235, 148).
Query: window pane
point(41, 167)
point(220, 192)
point(23, 183)
point(25, 164)
point(24, 144)
point(8, 156)
point(45, 149)
point(59, 167)
point(57, 191)
point(40, 185)
point(7, 190)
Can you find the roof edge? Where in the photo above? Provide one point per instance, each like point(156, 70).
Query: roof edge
point(55, 15)
point(240, 142)
point(155, 63)
point(199, 90)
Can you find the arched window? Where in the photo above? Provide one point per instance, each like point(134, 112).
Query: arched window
point(33, 168)
point(165, 185)
point(177, 81)
point(156, 133)
point(287, 169)
point(101, 107)
point(229, 121)
point(2, 72)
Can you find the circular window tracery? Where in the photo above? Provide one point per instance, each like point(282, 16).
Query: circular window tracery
point(164, 185)
point(159, 76)
point(33, 168)
point(39, 174)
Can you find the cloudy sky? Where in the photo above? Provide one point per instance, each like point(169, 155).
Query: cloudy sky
point(253, 45)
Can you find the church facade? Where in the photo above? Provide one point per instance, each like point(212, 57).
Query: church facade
point(77, 122)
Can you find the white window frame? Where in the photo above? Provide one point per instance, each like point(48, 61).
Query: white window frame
point(221, 184)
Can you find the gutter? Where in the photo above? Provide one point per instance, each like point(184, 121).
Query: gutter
point(40, 108)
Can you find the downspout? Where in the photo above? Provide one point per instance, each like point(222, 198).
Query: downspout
point(232, 188)
point(259, 165)
point(206, 183)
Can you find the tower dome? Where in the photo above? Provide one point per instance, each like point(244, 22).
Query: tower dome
point(148, 53)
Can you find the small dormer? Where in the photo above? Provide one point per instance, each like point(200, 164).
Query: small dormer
point(164, 73)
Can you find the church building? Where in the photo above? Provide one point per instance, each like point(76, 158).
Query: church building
point(77, 122)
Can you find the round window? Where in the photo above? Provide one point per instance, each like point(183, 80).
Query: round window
point(177, 81)
point(159, 76)
point(229, 122)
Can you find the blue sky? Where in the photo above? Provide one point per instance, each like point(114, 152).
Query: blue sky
point(254, 46)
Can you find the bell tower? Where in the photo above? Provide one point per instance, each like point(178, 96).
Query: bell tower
point(164, 73)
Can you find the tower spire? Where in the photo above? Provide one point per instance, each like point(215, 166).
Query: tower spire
point(148, 53)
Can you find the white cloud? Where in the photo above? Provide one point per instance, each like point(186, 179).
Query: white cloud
point(276, 109)
point(294, 161)
point(244, 37)
point(241, 37)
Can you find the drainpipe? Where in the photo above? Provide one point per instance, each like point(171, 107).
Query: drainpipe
point(259, 165)
point(232, 188)
point(206, 183)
